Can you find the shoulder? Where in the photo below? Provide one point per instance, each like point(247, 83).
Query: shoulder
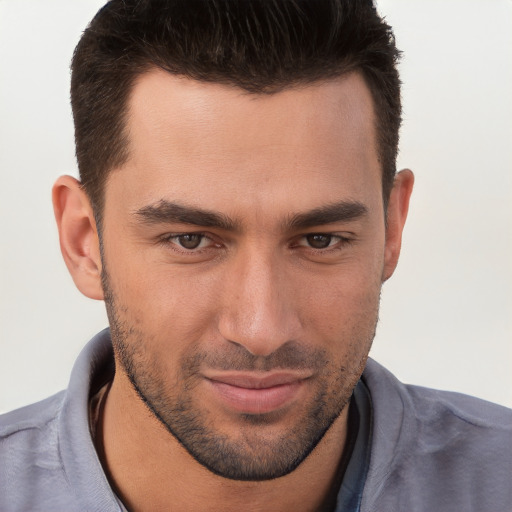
point(31, 417)
point(448, 450)
point(30, 433)
point(30, 458)
point(429, 406)
point(47, 456)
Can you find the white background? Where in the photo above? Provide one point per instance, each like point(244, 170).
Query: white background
point(446, 317)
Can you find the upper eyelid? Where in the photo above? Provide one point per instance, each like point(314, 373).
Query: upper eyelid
point(341, 236)
point(168, 236)
point(332, 235)
point(166, 239)
point(344, 236)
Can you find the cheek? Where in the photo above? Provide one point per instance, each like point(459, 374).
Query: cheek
point(168, 305)
point(343, 309)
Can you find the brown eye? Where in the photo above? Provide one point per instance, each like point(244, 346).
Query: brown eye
point(319, 241)
point(190, 241)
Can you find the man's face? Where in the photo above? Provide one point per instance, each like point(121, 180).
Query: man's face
point(243, 259)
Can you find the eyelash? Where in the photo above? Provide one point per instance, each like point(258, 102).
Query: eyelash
point(342, 242)
point(167, 240)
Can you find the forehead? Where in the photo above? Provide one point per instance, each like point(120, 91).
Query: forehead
point(211, 144)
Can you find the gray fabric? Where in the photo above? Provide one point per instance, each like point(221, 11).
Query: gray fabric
point(47, 459)
point(430, 450)
point(435, 450)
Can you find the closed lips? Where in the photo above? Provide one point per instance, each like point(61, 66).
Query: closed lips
point(257, 395)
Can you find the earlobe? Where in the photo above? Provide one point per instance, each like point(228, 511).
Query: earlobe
point(398, 206)
point(78, 235)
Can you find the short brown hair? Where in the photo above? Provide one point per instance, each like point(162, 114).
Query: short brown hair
point(261, 46)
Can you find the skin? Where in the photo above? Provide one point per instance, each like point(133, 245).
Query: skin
point(255, 291)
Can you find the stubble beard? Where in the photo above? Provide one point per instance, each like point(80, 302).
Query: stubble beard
point(253, 455)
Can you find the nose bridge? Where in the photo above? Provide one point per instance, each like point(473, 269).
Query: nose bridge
point(257, 312)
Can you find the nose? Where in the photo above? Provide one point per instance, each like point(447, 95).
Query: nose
point(257, 309)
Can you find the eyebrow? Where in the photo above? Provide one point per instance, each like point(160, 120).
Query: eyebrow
point(342, 211)
point(171, 212)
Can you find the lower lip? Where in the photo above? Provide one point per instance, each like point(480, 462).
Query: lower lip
point(256, 401)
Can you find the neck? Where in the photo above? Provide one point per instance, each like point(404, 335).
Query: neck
point(150, 470)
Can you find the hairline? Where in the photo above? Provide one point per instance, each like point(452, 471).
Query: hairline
point(342, 73)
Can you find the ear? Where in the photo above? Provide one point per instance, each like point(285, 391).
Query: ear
point(79, 241)
point(398, 206)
